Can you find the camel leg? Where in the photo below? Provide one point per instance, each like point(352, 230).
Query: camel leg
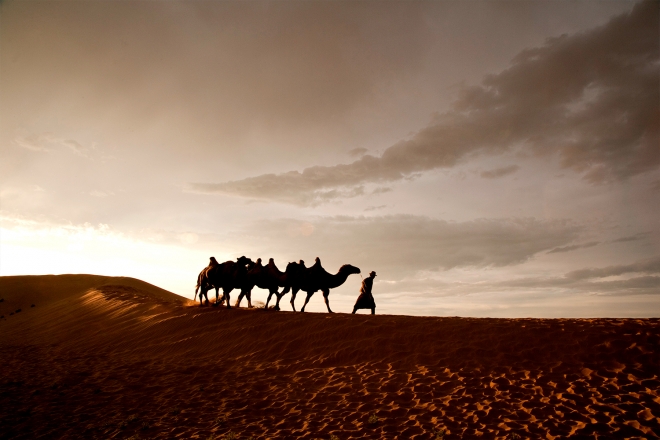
point(277, 304)
point(205, 293)
point(240, 298)
point(326, 293)
point(249, 298)
point(227, 297)
point(309, 295)
point(277, 295)
point(293, 299)
point(217, 294)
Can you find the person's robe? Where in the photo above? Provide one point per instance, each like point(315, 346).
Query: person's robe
point(366, 299)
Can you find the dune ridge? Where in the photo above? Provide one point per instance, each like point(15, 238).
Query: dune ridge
point(115, 357)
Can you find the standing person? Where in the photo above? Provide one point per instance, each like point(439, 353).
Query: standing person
point(366, 299)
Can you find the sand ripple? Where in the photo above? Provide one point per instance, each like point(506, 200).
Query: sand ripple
point(109, 358)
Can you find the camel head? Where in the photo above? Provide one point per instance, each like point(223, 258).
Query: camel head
point(244, 260)
point(347, 268)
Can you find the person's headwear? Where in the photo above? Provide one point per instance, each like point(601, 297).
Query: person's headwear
point(372, 273)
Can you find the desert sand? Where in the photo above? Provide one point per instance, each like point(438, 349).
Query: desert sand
point(113, 357)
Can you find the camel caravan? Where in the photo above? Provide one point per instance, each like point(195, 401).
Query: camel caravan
point(244, 274)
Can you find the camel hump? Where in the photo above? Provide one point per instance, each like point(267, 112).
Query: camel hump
point(259, 261)
point(213, 261)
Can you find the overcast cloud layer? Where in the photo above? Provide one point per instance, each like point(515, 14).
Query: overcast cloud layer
point(404, 244)
point(591, 98)
point(485, 158)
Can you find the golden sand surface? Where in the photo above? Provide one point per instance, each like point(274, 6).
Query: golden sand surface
point(114, 357)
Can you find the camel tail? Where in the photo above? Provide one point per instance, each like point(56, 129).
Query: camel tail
point(196, 289)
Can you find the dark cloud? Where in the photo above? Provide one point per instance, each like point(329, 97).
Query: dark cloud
point(635, 284)
point(590, 98)
point(636, 237)
point(642, 285)
point(374, 208)
point(648, 266)
point(358, 152)
point(284, 188)
point(499, 172)
point(574, 247)
point(590, 281)
point(308, 187)
point(405, 244)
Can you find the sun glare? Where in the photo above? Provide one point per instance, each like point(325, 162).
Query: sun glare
point(34, 249)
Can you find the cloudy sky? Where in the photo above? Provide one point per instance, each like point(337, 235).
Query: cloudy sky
point(486, 158)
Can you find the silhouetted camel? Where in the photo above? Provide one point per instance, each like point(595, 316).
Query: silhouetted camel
point(267, 277)
point(293, 281)
point(201, 280)
point(256, 276)
point(277, 279)
point(253, 277)
point(315, 278)
point(227, 276)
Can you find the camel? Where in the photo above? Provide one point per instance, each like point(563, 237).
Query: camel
point(277, 278)
point(313, 279)
point(253, 277)
point(293, 282)
point(267, 277)
point(201, 280)
point(229, 275)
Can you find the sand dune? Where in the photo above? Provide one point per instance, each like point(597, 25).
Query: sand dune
point(106, 357)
